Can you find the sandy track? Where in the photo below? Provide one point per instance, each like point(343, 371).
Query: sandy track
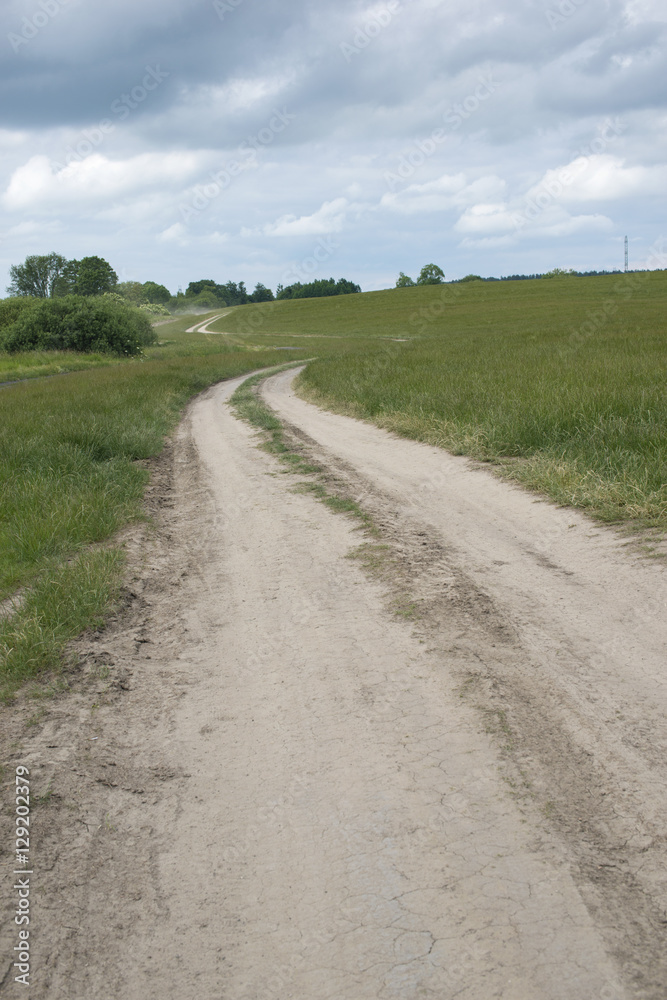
point(203, 327)
point(283, 789)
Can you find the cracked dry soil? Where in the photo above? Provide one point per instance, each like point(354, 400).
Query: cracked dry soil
point(435, 770)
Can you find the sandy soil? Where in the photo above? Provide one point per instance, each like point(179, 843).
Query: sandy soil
point(281, 774)
point(203, 327)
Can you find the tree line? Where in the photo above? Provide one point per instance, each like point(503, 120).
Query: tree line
point(54, 276)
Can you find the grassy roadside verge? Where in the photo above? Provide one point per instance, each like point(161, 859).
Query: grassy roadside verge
point(38, 364)
point(73, 454)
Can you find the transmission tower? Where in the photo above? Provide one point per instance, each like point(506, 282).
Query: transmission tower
point(626, 253)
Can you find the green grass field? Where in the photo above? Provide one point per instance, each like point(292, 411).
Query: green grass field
point(560, 383)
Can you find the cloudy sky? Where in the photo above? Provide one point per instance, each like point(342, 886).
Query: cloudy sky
point(273, 140)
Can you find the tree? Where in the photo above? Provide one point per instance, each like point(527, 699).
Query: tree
point(233, 294)
point(156, 294)
point(319, 288)
point(94, 276)
point(431, 274)
point(403, 281)
point(65, 283)
point(133, 291)
point(205, 300)
point(38, 275)
point(261, 293)
point(206, 284)
point(559, 272)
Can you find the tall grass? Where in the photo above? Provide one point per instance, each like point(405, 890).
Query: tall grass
point(68, 599)
point(561, 383)
point(71, 474)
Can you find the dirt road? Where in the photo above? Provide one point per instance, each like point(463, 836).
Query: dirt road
point(436, 770)
point(203, 327)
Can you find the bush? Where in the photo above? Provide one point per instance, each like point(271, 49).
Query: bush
point(154, 309)
point(11, 309)
point(73, 323)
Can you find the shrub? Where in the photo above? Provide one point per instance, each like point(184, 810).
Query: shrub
point(154, 309)
point(73, 323)
point(11, 309)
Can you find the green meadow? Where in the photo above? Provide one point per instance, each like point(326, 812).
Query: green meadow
point(559, 383)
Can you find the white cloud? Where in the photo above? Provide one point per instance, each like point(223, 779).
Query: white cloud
point(240, 94)
point(485, 218)
point(218, 238)
point(638, 11)
point(488, 242)
point(32, 228)
point(602, 178)
point(445, 193)
point(487, 225)
point(550, 96)
point(330, 218)
point(174, 234)
point(39, 183)
point(10, 139)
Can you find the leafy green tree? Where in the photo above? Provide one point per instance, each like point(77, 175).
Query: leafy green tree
point(404, 281)
point(470, 277)
point(156, 294)
point(65, 283)
point(94, 276)
point(196, 287)
point(317, 289)
point(205, 300)
point(38, 275)
point(229, 294)
point(261, 294)
point(431, 274)
point(132, 291)
point(235, 295)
